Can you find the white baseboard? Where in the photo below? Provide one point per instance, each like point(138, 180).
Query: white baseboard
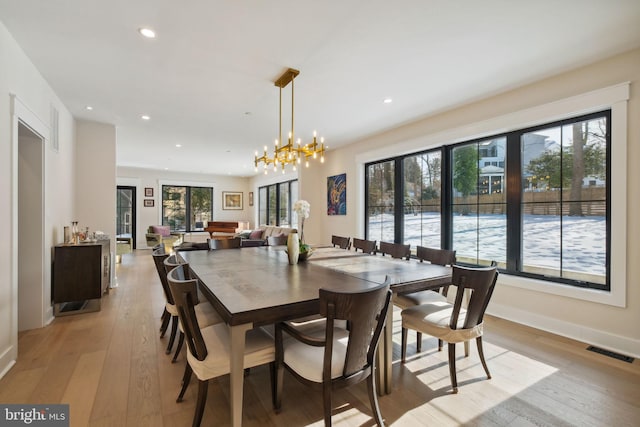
point(606, 340)
point(48, 316)
point(7, 360)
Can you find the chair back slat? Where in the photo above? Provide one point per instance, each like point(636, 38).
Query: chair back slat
point(232, 243)
point(341, 242)
point(365, 313)
point(185, 294)
point(436, 256)
point(184, 273)
point(366, 246)
point(277, 240)
point(396, 250)
point(481, 283)
point(159, 256)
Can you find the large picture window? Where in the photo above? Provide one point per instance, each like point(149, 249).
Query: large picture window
point(275, 202)
point(535, 200)
point(422, 199)
point(186, 208)
point(381, 203)
point(478, 201)
point(564, 200)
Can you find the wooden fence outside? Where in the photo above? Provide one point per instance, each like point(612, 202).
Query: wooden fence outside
point(534, 203)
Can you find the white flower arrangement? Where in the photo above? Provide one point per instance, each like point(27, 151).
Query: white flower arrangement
point(302, 208)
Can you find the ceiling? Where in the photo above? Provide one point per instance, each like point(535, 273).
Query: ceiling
point(207, 79)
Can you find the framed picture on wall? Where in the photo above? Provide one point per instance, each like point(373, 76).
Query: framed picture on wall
point(250, 198)
point(337, 194)
point(232, 200)
point(148, 203)
point(148, 192)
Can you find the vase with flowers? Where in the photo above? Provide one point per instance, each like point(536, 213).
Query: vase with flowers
point(302, 208)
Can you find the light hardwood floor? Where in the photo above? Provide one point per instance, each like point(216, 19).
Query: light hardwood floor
point(111, 368)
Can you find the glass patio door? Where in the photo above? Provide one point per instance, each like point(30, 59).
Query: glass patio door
point(126, 212)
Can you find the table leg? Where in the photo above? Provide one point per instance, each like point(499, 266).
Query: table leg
point(238, 335)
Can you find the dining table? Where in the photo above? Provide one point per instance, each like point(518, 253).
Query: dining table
point(252, 287)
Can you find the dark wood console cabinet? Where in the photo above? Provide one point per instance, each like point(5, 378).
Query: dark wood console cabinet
point(81, 273)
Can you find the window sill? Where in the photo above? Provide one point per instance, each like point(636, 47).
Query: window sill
point(613, 297)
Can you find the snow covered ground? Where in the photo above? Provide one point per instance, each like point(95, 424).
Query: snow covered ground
point(583, 242)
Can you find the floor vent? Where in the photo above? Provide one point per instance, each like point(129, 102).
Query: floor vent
point(610, 354)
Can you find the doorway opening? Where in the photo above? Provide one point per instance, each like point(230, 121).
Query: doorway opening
point(30, 219)
point(125, 220)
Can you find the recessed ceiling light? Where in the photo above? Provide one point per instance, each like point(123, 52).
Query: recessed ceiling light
point(387, 100)
point(89, 107)
point(145, 117)
point(148, 33)
point(178, 145)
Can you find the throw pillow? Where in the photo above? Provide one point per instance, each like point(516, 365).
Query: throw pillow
point(245, 234)
point(256, 235)
point(163, 230)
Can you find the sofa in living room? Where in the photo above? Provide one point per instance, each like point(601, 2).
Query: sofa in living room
point(162, 234)
point(264, 234)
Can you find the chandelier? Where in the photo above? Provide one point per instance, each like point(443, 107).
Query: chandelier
point(293, 152)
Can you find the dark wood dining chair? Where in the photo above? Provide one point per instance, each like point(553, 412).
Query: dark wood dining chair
point(336, 357)
point(206, 313)
point(165, 318)
point(366, 246)
point(396, 250)
point(451, 322)
point(170, 313)
point(341, 242)
point(209, 347)
point(277, 240)
point(232, 243)
point(434, 256)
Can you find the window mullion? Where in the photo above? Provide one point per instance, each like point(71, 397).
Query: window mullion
point(446, 236)
point(187, 226)
point(399, 200)
point(514, 201)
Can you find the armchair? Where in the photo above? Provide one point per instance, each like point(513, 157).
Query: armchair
point(161, 234)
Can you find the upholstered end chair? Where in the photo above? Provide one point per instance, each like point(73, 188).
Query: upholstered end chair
point(161, 234)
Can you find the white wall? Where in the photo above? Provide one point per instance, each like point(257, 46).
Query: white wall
point(605, 325)
point(149, 178)
point(96, 177)
point(18, 76)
